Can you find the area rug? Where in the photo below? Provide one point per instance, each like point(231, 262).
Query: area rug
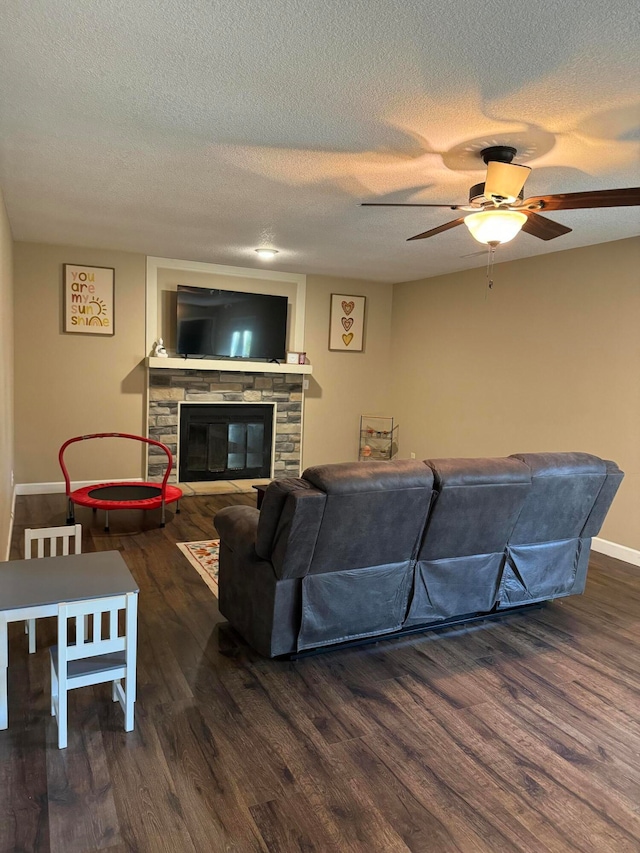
point(204, 557)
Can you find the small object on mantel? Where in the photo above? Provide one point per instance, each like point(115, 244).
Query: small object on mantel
point(296, 358)
point(159, 350)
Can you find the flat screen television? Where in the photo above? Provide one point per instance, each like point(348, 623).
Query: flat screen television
point(231, 324)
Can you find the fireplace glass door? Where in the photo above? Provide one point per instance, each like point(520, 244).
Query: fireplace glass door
point(225, 442)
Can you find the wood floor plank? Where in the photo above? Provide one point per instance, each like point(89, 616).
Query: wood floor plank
point(520, 734)
point(150, 815)
point(24, 796)
point(612, 811)
point(290, 826)
point(82, 811)
point(447, 793)
point(210, 798)
point(555, 788)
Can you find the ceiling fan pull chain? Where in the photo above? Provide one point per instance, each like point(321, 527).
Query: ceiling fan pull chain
point(490, 259)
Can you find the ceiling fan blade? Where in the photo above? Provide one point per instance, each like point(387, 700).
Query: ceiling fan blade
point(596, 198)
point(437, 230)
point(545, 229)
point(399, 204)
point(504, 181)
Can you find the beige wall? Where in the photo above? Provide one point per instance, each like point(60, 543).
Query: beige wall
point(74, 384)
point(549, 359)
point(77, 384)
point(6, 377)
point(344, 385)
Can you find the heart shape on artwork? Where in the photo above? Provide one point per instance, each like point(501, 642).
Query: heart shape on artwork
point(347, 339)
point(347, 323)
point(348, 307)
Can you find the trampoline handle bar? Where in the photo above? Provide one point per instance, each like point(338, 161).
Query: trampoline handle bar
point(67, 481)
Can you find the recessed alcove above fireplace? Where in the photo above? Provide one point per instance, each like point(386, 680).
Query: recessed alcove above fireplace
point(173, 382)
point(225, 441)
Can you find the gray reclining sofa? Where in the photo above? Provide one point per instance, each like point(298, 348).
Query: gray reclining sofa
point(360, 550)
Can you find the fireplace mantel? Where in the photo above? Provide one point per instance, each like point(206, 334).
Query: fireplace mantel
point(229, 365)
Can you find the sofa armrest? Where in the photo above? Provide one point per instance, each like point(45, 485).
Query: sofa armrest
point(237, 527)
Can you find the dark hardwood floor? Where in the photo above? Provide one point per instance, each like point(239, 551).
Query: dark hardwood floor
point(516, 735)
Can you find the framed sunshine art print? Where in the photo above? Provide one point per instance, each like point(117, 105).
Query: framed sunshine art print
point(88, 299)
point(346, 324)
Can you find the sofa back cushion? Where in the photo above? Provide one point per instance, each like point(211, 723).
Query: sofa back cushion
point(603, 501)
point(478, 503)
point(288, 526)
point(548, 551)
point(460, 560)
point(564, 489)
point(374, 513)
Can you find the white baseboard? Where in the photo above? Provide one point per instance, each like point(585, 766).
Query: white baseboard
point(620, 552)
point(55, 488)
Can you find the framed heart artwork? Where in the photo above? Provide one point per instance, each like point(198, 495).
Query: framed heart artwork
point(346, 324)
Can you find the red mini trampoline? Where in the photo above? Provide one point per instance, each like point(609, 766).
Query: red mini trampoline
point(120, 495)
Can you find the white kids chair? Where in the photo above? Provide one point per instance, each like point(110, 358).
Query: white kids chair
point(99, 654)
point(51, 542)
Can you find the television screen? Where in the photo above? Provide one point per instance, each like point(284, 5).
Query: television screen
point(230, 324)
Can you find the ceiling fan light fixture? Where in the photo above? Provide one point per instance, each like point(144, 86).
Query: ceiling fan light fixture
point(495, 226)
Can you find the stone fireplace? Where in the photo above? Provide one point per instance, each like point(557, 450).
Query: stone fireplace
point(172, 388)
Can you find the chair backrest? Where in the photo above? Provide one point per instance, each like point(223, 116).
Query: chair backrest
point(290, 518)
point(564, 490)
point(547, 555)
point(478, 503)
point(374, 513)
point(96, 635)
point(460, 559)
point(315, 524)
point(603, 501)
point(53, 541)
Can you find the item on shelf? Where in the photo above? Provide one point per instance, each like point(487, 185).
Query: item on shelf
point(378, 437)
point(296, 358)
point(159, 349)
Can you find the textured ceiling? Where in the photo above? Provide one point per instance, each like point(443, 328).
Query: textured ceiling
point(199, 129)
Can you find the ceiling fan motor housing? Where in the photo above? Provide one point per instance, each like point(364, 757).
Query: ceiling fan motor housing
point(498, 154)
point(477, 196)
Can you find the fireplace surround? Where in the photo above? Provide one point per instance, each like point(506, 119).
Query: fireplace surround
point(172, 388)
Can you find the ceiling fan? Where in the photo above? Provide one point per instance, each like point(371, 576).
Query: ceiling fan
point(497, 209)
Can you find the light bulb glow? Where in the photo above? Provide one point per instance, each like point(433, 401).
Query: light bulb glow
point(266, 254)
point(495, 226)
